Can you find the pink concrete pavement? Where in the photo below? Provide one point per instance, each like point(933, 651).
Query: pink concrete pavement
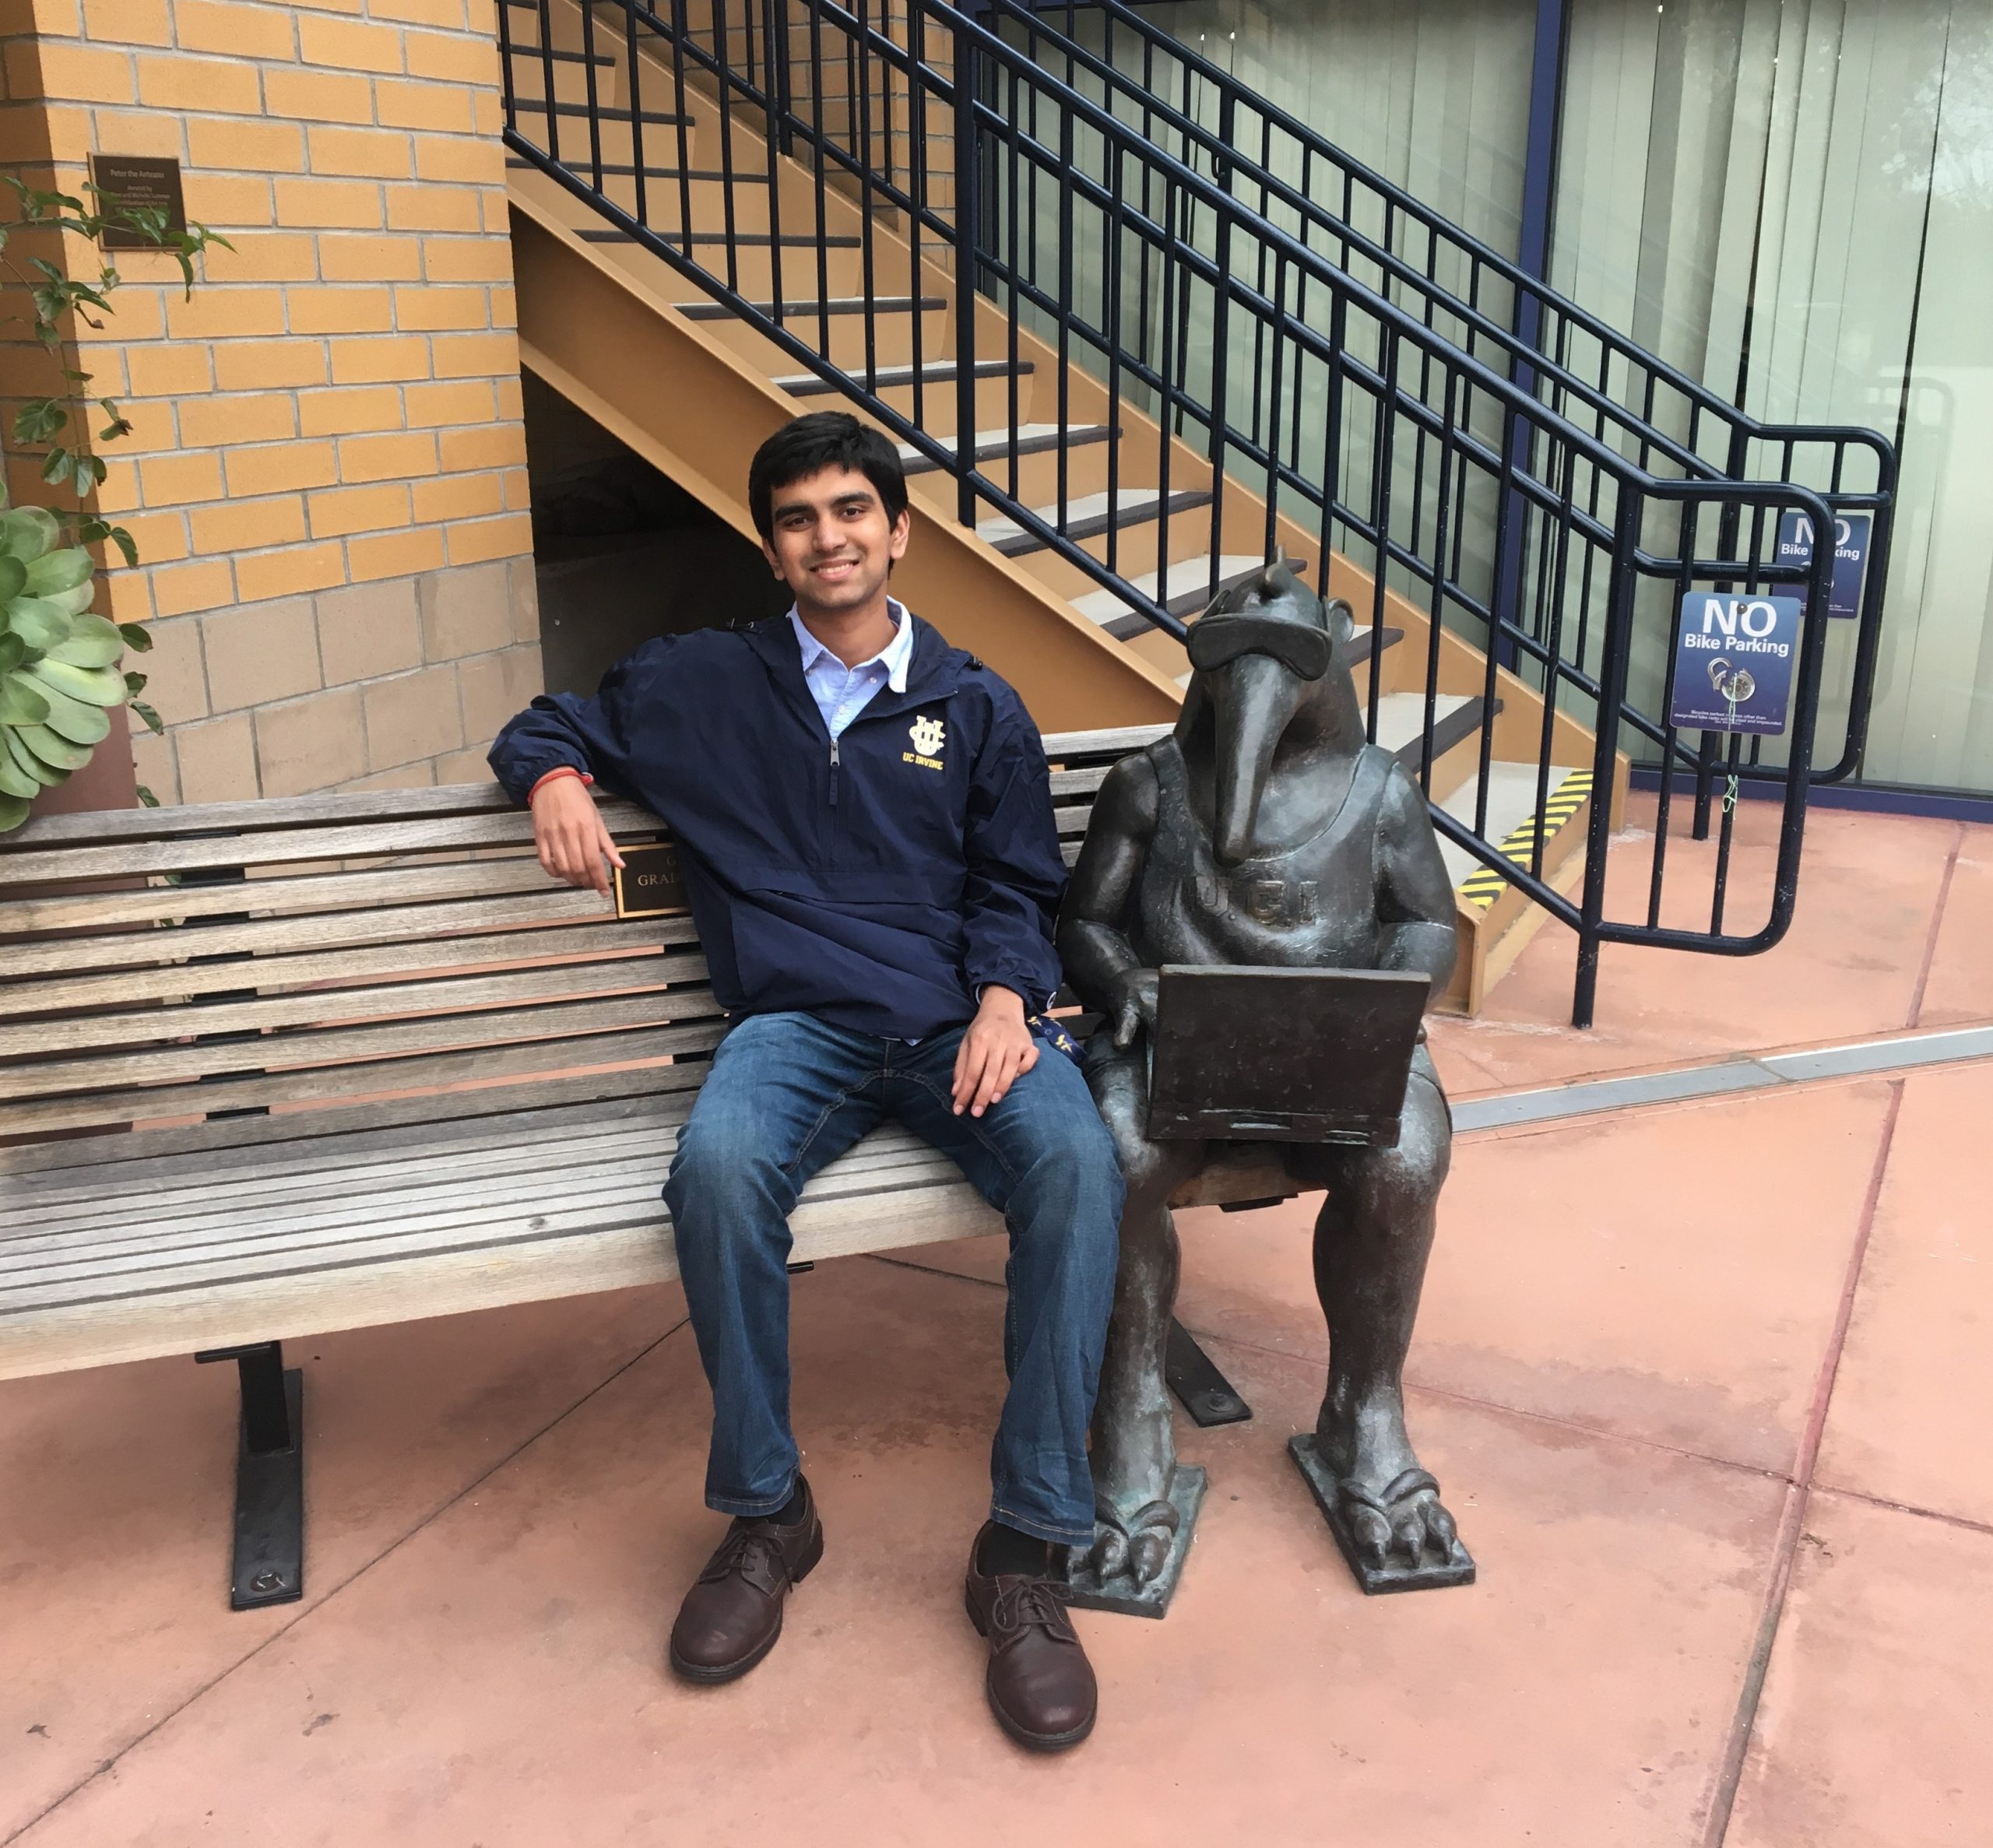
point(1706, 1386)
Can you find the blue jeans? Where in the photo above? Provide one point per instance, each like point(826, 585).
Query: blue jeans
point(787, 1094)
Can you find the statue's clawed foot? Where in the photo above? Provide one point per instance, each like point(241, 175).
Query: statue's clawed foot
point(1138, 1547)
point(1397, 1538)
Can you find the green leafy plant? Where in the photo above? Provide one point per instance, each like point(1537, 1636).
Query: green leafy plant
point(61, 671)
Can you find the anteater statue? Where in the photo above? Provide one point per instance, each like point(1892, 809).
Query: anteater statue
point(1265, 830)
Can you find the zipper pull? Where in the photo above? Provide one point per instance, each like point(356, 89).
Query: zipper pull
point(834, 773)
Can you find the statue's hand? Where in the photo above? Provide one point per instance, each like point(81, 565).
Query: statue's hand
point(1134, 1005)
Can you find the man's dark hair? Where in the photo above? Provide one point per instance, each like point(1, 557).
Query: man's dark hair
point(809, 445)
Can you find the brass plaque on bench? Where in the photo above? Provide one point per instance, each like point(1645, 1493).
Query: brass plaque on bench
point(648, 884)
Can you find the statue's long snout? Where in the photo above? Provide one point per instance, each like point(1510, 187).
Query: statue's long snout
point(1253, 699)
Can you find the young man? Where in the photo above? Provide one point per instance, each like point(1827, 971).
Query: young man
point(864, 818)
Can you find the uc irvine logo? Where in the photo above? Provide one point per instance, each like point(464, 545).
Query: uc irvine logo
point(928, 735)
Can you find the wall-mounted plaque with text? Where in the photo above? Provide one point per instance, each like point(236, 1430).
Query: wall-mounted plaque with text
point(151, 181)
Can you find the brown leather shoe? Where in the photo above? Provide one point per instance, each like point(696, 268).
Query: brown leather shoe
point(733, 1615)
point(1040, 1683)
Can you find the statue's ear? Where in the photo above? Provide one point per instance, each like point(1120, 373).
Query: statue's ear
point(1342, 621)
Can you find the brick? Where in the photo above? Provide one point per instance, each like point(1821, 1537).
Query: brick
point(340, 412)
point(525, 600)
point(467, 259)
point(487, 112)
point(493, 446)
point(207, 584)
point(263, 147)
point(472, 356)
point(366, 631)
point(348, 44)
point(443, 108)
point(465, 766)
point(141, 312)
point(318, 95)
point(217, 760)
point(454, 59)
point(459, 497)
point(379, 153)
point(118, 492)
point(160, 537)
point(312, 743)
point(260, 654)
point(411, 715)
point(345, 309)
point(505, 307)
point(497, 211)
point(176, 480)
point(336, 205)
point(335, 512)
point(214, 85)
point(387, 458)
point(127, 597)
point(292, 569)
point(68, 73)
point(176, 677)
point(152, 426)
point(281, 468)
point(466, 612)
point(265, 257)
point(228, 202)
point(233, 418)
point(116, 22)
point(436, 310)
point(233, 29)
point(133, 131)
point(433, 208)
point(446, 13)
point(518, 489)
point(476, 160)
point(394, 554)
point(258, 365)
point(221, 313)
point(420, 774)
point(368, 258)
point(472, 542)
point(494, 687)
point(459, 400)
point(247, 525)
point(369, 359)
point(152, 765)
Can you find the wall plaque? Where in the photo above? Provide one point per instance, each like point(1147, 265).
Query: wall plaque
point(648, 884)
point(143, 180)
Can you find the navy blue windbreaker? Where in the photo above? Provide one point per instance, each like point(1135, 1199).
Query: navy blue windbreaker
point(877, 883)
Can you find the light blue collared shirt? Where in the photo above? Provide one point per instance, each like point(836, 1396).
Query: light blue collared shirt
point(842, 693)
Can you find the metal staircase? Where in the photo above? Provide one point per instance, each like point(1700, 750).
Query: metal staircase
point(1136, 329)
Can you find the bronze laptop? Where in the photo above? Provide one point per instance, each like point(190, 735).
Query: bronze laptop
point(1256, 1054)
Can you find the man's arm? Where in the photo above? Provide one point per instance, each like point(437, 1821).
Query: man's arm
point(1100, 962)
point(1010, 896)
point(562, 731)
point(1414, 895)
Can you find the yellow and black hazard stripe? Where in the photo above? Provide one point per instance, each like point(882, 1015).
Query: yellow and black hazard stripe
point(1482, 887)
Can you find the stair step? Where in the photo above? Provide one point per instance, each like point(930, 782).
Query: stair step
point(1354, 654)
point(809, 311)
point(1113, 612)
point(560, 57)
point(807, 385)
point(744, 240)
point(1511, 813)
point(611, 169)
point(1087, 517)
point(537, 106)
point(994, 445)
point(1401, 721)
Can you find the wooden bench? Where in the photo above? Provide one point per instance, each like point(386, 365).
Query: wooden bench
point(269, 1069)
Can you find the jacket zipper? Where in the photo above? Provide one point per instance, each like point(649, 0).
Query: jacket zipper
point(834, 773)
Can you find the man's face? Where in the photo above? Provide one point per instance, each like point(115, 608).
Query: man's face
point(833, 544)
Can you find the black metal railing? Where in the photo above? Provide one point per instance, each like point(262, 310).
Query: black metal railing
point(1042, 265)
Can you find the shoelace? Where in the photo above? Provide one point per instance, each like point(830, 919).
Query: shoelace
point(756, 1557)
point(1033, 1601)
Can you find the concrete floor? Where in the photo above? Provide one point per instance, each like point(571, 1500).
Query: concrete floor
point(1707, 1385)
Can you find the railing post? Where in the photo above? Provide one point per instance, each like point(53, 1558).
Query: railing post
point(968, 195)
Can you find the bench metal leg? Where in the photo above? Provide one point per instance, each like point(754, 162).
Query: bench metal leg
point(269, 1478)
point(1193, 1377)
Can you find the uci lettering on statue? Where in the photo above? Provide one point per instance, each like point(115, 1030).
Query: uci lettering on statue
point(1734, 658)
point(1851, 532)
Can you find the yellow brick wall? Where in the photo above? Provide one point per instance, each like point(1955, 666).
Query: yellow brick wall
point(326, 478)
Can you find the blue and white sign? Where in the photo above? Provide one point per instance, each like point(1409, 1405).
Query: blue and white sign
point(1795, 547)
point(1734, 658)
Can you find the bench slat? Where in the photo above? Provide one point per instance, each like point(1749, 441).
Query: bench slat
point(528, 1042)
point(98, 826)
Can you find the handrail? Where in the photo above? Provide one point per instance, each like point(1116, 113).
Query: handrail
point(1481, 478)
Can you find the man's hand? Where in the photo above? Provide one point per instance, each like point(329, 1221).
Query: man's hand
point(568, 835)
point(1135, 1006)
point(996, 1050)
